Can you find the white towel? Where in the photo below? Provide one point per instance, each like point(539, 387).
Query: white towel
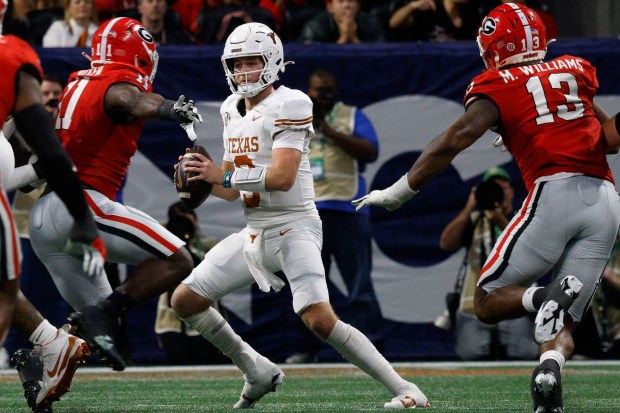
point(254, 259)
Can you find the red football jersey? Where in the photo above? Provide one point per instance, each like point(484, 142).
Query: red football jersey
point(15, 54)
point(547, 118)
point(100, 148)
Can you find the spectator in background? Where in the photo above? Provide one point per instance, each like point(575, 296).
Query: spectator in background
point(188, 11)
point(343, 22)
point(547, 18)
point(30, 19)
point(107, 9)
point(182, 344)
point(51, 89)
point(477, 227)
point(78, 27)
point(164, 27)
point(214, 24)
point(435, 20)
point(291, 15)
point(345, 141)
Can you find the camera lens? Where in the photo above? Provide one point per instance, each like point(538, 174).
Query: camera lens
point(489, 195)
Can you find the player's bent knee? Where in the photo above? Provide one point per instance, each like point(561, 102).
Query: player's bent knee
point(186, 303)
point(183, 262)
point(320, 319)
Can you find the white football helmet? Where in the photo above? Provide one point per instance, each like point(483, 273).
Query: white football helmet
point(253, 39)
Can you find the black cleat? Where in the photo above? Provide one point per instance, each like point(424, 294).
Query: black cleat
point(30, 369)
point(98, 329)
point(546, 387)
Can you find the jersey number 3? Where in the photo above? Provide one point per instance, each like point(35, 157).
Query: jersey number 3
point(253, 200)
point(536, 88)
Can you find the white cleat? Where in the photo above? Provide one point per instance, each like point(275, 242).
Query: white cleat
point(410, 399)
point(60, 357)
point(550, 318)
point(265, 378)
point(549, 322)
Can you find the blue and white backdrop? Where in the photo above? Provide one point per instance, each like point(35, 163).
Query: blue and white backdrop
point(411, 92)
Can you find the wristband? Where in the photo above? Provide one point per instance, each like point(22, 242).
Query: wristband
point(166, 111)
point(226, 180)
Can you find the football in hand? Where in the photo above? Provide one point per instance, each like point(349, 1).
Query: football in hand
point(192, 193)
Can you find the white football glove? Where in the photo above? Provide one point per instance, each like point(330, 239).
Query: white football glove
point(188, 114)
point(498, 142)
point(390, 198)
point(93, 255)
point(85, 242)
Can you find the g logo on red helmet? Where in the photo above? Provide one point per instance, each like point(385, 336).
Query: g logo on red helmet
point(145, 35)
point(488, 26)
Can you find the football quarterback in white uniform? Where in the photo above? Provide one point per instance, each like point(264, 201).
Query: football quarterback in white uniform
point(266, 138)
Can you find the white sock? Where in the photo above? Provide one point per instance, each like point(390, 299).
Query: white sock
point(43, 334)
point(358, 350)
point(212, 326)
point(553, 355)
point(526, 300)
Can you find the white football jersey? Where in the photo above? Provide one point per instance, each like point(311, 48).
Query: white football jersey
point(249, 141)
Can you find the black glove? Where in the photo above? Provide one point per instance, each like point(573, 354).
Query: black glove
point(182, 111)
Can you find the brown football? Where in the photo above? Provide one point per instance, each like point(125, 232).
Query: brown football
point(193, 193)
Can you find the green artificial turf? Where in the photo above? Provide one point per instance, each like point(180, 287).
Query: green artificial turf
point(493, 388)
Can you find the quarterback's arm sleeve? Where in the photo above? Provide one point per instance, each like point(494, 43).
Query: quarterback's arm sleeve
point(35, 125)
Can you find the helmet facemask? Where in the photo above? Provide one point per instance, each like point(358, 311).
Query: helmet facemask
point(245, 88)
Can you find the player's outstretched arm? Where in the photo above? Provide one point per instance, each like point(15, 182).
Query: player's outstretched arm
point(479, 116)
point(35, 125)
point(126, 103)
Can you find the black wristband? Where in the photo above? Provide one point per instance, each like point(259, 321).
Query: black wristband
point(618, 123)
point(166, 111)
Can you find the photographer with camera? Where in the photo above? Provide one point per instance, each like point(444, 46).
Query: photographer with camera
point(345, 141)
point(485, 215)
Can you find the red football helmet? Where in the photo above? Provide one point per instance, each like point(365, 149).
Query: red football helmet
point(125, 40)
point(511, 33)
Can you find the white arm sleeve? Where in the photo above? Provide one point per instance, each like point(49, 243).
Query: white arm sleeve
point(22, 176)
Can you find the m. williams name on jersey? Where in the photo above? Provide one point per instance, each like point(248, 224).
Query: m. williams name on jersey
point(556, 64)
point(243, 145)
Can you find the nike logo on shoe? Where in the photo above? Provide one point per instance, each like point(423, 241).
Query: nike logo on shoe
point(407, 402)
point(60, 366)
